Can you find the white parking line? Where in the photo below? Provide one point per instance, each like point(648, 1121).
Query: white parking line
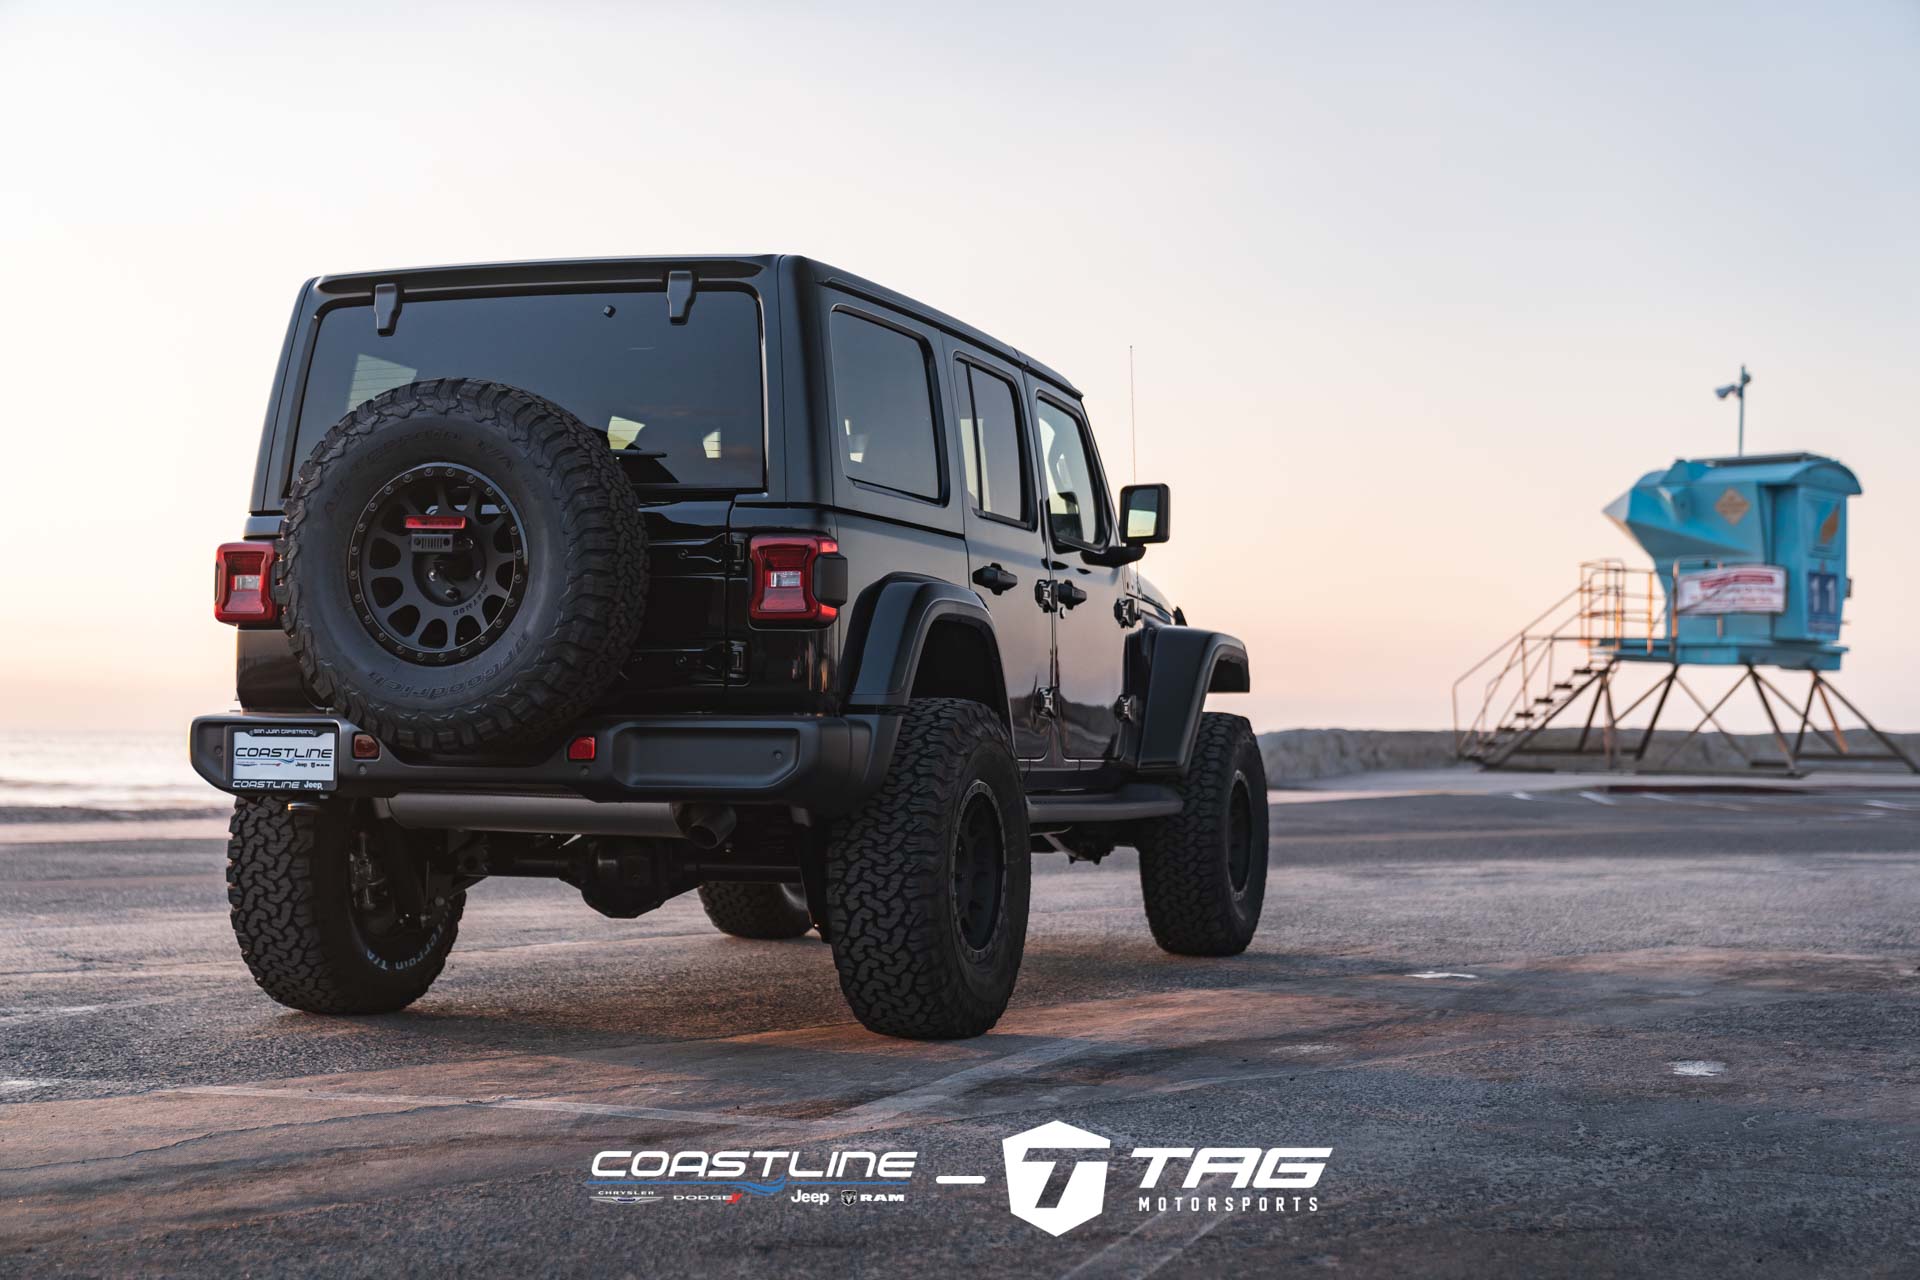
point(1700, 1068)
point(881, 1110)
point(1597, 798)
point(126, 1088)
point(561, 1105)
point(19, 1014)
point(24, 1086)
point(496, 1104)
point(1145, 1249)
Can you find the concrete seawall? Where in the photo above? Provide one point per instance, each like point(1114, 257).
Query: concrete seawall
point(1299, 755)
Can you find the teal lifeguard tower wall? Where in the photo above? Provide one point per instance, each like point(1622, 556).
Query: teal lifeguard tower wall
point(1784, 510)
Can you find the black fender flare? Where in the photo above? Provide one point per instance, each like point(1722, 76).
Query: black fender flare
point(1184, 666)
point(891, 622)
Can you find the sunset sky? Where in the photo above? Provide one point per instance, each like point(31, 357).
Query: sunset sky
point(1415, 290)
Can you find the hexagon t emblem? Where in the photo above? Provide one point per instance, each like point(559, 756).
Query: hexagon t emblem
point(1037, 1192)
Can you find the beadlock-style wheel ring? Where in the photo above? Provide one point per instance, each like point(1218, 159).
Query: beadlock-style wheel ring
point(437, 565)
point(979, 872)
point(1240, 834)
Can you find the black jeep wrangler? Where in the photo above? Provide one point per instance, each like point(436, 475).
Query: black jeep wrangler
point(742, 575)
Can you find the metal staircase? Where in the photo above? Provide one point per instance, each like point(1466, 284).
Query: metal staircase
point(1574, 652)
point(1566, 652)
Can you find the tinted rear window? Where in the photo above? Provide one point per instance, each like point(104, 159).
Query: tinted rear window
point(682, 400)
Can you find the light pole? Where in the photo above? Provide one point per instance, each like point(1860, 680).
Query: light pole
point(1738, 390)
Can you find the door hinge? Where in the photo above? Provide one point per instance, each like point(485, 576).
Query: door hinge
point(1126, 611)
point(1046, 703)
point(1127, 708)
point(1044, 597)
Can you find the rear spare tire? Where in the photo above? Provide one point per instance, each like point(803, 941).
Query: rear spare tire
point(463, 566)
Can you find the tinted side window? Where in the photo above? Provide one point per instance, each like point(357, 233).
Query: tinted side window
point(1076, 508)
point(885, 403)
point(995, 450)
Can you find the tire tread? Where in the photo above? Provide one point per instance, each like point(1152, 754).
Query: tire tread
point(1184, 885)
point(749, 910)
point(885, 898)
point(275, 910)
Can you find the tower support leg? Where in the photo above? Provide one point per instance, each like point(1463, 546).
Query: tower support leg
point(1660, 704)
point(1898, 752)
point(1766, 704)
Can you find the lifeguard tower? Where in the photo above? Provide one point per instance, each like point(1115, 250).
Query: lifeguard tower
point(1749, 572)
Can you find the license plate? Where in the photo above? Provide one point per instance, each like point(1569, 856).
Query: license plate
point(283, 759)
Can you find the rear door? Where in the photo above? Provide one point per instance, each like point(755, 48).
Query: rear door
point(679, 400)
point(1089, 625)
point(1006, 553)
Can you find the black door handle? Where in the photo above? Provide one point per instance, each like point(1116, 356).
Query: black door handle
point(995, 578)
point(1068, 594)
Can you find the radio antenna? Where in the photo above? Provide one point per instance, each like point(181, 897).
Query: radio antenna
point(1133, 416)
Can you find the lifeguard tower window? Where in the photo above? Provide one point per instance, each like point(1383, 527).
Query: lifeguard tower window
point(1076, 511)
point(883, 402)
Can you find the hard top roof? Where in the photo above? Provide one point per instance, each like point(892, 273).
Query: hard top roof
point(720, 266)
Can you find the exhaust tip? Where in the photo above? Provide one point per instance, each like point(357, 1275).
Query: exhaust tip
point(706, 826)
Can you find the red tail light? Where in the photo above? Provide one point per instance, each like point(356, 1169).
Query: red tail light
point(243, 584)
point(788, 582)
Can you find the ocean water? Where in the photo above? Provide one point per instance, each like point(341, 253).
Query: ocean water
point(101, 771)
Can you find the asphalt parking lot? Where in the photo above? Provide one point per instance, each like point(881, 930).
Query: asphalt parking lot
point(1549, 1033)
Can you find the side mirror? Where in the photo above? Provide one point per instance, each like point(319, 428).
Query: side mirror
point(1146, 514)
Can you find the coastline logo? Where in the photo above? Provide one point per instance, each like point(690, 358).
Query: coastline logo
point(1059, 1195)
point(635, 1177)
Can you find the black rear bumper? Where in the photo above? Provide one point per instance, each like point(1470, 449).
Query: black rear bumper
point(821, 763)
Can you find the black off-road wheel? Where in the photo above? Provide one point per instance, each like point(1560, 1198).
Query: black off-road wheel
point(756, 910)
point(927, 883)
point(463, 566)
point(321, 922)
point(1203, 871)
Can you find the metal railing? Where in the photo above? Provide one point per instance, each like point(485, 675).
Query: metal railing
point(1544, 665)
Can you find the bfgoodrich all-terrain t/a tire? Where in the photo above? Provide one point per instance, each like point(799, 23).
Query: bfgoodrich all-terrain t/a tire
point(292, 880)
point(755, 910)
point(464, 567)
point(1203, 871)
point(928, 881)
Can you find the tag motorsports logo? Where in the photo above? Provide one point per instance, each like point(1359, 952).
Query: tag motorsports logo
point(1053, 1193)
point(1039, 1192)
